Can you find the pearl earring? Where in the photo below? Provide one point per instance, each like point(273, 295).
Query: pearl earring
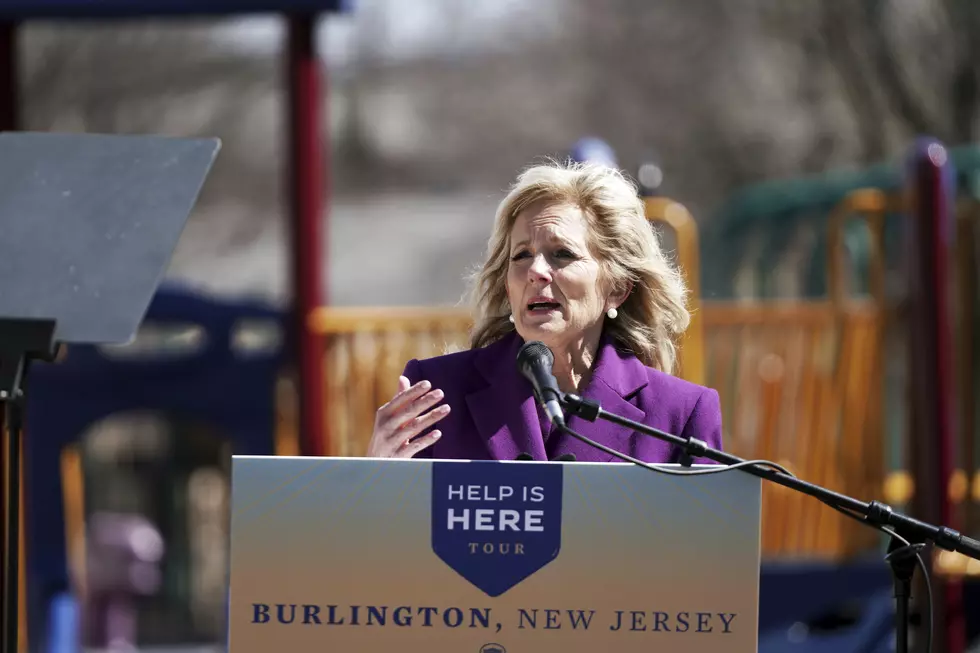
point(612, 313)
point(511, 318)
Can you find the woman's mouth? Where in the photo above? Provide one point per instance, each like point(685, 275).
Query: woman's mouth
point(539, 307)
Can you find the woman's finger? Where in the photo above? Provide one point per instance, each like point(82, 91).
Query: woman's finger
point(417, 407)
point(415, 426)
point(412, 447)
point(404, 396)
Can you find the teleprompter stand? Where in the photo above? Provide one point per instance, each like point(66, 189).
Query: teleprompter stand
point(88, 224)
point(908, 535)
point(21, 342)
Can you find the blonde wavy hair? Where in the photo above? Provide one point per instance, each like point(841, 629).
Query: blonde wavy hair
point(623, 242)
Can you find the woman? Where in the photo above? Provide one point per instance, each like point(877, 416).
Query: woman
point(573, 263)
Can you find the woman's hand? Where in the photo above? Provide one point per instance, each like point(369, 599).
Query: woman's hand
point(404, 417)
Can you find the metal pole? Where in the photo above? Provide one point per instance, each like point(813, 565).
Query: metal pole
point(9, 432)
point(933, 370)
point(307, 180)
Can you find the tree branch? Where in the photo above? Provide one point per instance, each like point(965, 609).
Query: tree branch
point(892, 82)
point(965, 86)
point(841, 51)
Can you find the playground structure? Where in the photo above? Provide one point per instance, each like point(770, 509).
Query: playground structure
point(814, 381)
point(801, 321)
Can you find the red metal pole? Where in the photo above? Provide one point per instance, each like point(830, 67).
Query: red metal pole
point(307, 184)
point(933, 372)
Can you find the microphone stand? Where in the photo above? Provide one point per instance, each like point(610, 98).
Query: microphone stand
point(901, 555)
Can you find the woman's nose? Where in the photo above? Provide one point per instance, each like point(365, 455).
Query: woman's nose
point(540, 270)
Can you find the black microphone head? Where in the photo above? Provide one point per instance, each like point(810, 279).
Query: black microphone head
point(534, 361)
point(566, 458)
point(524, 456)
point(532, 351)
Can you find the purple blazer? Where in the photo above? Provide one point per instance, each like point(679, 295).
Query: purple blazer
point(494, 414)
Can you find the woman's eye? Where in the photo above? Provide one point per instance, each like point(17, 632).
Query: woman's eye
point(519, 255)
point(564, 253)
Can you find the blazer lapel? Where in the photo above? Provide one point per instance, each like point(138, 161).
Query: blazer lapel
point(616, 378)
point(505, 412)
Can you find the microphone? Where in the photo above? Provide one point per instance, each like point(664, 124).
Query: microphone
point(524, 456)
point(534, 360)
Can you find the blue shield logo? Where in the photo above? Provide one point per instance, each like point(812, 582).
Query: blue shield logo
point(496, 523)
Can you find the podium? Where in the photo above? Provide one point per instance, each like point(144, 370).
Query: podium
point(359, 554)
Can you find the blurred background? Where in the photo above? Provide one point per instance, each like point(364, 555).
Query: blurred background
point(365, 147)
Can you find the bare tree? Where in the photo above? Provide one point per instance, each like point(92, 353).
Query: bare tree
point(723, 94)
point(157, 77)
point(901, 68)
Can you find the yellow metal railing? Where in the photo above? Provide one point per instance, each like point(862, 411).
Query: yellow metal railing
point(676, 216)
point(790, 377)
point(366, 351)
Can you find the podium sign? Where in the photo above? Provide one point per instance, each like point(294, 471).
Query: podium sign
point(357, 554)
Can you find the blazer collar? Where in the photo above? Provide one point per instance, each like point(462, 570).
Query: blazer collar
point(506, 415)
point(617, 377)
point(505, 412)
